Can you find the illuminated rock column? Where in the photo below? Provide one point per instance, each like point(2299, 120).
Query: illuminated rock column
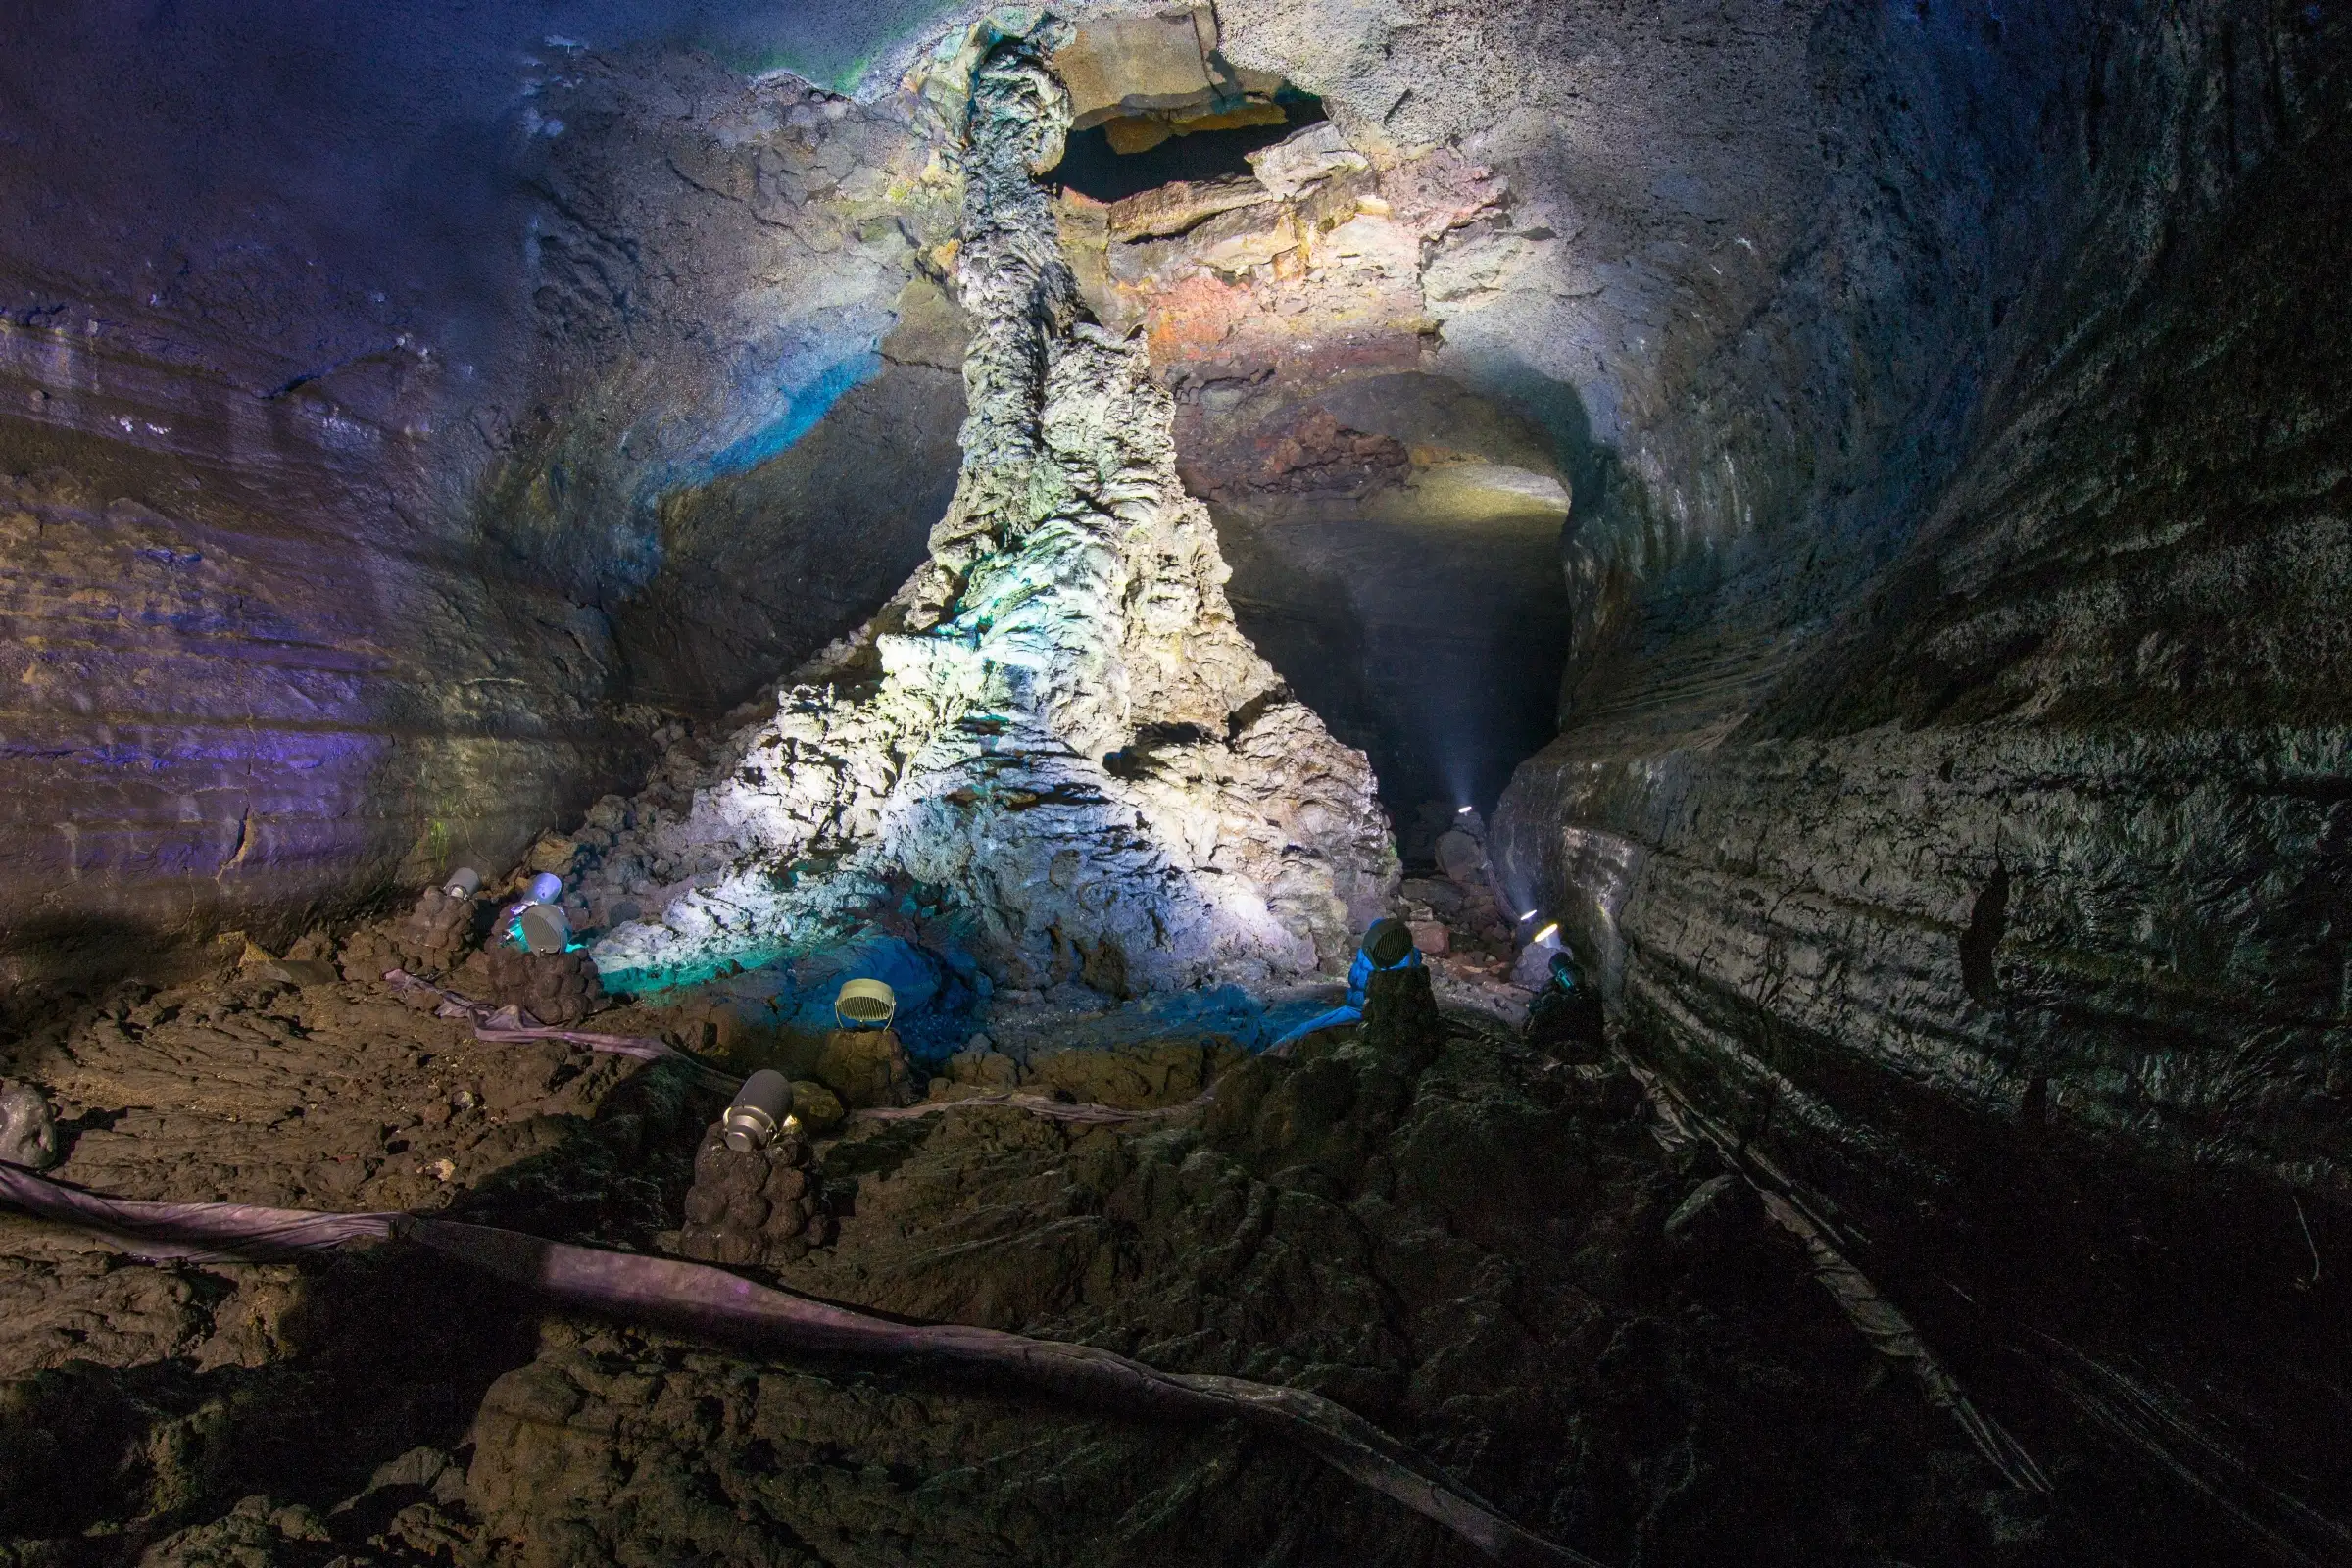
point(1056, 723)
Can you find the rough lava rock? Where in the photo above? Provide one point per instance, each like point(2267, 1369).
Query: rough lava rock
point(1056, 721)
point(558, 988)
point(866, 1067)
point(364, 481)
point(2046, 829)
point(762, 1207)
point(28, 1127)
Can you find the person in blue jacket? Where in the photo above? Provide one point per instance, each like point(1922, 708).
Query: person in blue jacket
point(1388, 945)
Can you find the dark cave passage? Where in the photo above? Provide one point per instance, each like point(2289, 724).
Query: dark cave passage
point(1438, 650)
point(1092, 167)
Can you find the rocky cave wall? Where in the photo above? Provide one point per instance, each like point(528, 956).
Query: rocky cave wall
point(576, 378)
point(2038, 829)
point(399, 418)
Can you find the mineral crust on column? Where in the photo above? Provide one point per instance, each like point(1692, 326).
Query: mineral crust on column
point(1056, 723)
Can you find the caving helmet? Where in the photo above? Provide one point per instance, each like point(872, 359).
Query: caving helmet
point(1388, 942)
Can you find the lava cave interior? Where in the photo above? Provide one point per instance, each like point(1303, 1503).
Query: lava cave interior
point(1282, 782)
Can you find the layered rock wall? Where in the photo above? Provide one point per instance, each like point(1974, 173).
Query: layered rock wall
point(2046, 837)
point(240, 679)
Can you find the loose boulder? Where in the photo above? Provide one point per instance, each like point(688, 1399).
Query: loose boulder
point(28, 1127)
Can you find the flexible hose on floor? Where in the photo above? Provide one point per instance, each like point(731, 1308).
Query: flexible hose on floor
point(702, 1300)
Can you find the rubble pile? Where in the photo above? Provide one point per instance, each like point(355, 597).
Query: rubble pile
point(465, 939)
point(442, 928)
point(434, 938)
point(561, 988)
point(761, 1207)
point(866, 1067)
point(1476, 946)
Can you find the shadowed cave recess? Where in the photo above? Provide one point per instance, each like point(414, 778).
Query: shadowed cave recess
point(1824, 524)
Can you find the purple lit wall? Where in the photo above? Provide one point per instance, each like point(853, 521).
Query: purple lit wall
point(361, 370)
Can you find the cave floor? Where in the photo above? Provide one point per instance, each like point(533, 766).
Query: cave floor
point(1473, 1255)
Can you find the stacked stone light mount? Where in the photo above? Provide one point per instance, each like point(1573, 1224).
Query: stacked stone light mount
point(1057, 720)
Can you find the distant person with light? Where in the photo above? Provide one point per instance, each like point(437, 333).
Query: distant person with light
point(1565, 1020)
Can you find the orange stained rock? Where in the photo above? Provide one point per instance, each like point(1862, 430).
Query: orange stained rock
point(1195, 316)
point(1135, 133)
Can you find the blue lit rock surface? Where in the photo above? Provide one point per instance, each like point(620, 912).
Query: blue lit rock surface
point(362, 436)
point(1056, 721)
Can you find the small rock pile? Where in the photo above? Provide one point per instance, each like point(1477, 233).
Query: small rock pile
point(432, 940)
point(866, 1068)
point(441, 930)
point(1455, 914)
point(761, 1208)
point(445, 937)
point(558, 988)
point(1057, 719)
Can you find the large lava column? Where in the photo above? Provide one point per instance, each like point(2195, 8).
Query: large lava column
point(1059, 725)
